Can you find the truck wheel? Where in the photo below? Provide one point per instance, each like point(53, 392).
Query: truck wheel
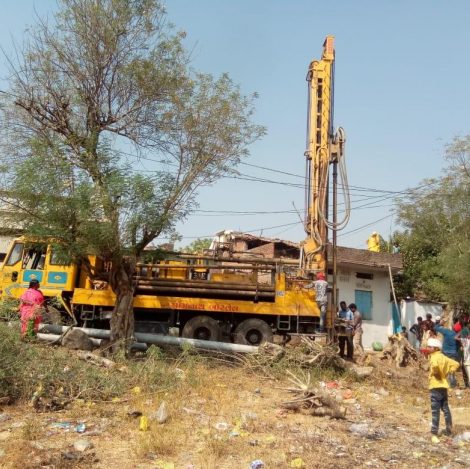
point(253, 332)
point(202, 328)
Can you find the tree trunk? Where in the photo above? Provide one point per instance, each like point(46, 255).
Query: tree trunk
point(122, 319)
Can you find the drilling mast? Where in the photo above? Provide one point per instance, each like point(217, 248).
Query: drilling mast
point(325, 148)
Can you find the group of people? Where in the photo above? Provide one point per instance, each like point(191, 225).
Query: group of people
point(351, 339)
point(448, 349)
point(455, 341)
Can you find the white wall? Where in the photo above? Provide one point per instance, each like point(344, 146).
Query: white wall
point(411, 309)
point(380, 326)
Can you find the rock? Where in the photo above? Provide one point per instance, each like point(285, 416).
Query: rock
point(77, 340)
point(161, 415)
point(383, 392)
point(362, 371)
point(221, 426)
point(82, 445)
point(257, 391)
point(4, 417)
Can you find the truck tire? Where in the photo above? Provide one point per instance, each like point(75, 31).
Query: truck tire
point(202, 328)
point(253, 332)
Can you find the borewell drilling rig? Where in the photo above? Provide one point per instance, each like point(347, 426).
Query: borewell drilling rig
point(325, 157)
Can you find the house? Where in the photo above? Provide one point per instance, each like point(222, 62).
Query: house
point(363, 277)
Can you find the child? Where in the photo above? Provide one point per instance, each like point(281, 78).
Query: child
point(439, 367)
point(404, 333)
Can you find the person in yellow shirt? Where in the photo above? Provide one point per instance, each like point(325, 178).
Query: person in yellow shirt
point(439, 367)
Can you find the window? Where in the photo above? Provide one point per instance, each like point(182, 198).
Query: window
point(34, 258)
point(58, 258)
point(364, 275)
point(363, 300)
point(15, 255)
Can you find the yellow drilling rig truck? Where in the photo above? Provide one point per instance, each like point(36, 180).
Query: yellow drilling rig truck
point(219, 296)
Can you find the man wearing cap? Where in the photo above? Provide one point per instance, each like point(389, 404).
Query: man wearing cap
point(439, 367)
point(449, 346)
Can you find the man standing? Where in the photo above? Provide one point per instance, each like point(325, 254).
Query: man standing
point(417, 330)
point(344, 339)
point(449, 347)
point(357, 328)
point(439, 368)
point(321, 287)
point(31, 302)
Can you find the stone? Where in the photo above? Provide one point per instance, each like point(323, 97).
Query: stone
point(77, 340)
point(4, 417)
point(82, 445)
point(161, 415)
point(362, 371)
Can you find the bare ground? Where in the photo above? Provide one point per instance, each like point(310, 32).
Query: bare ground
point(226, 417)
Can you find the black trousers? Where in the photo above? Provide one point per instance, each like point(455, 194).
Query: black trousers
point(345, 341)
point(439, 401)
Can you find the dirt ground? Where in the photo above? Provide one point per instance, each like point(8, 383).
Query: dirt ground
point(227, 417)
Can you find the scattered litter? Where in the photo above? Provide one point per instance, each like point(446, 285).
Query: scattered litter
point(435, 439)
point(463, 437)
point(257, 391)
point(383, 392)
point(143, 423)
point(82, 445)
point(165, 465)
point(80, 428)
point(253, 442)
point(332, 385)
point(361, 429)
point(257, 464)
point(221, 426)
point(297, 463)
point(180, 374)
point(4, 417)
point(247, 416)
point(458, 394)
point(161, 416)
point(136, 390)
point(63, 425)
point(348, 394)
point(418, 455)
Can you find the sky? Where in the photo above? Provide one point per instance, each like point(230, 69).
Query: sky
point(401, 94)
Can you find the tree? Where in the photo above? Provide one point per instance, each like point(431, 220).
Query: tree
point(436, 240)
point(198, 246)
point(95, 98)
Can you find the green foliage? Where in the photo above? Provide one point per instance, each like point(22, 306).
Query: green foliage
point(436, 241)
point(108, 133)
point(197, 246)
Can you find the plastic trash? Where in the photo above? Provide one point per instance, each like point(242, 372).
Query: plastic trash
point(64, 425)
point(143, 423)
point(463, 437)
point(136, 390)
point(332, 385)
point(435, 439)
point(80, 428)
point(377, 346)
point(256, 464)
point(221, 426)
point(361, 429)
point(297, 463)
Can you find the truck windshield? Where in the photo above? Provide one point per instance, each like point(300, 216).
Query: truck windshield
point(15, 255)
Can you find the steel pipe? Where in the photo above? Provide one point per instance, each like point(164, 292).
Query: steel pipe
point(158, 339)
point(192, 291)
point(205, 284)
